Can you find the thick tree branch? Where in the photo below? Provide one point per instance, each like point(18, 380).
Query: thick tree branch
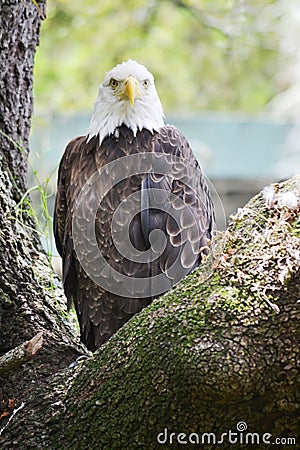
point(201, 359)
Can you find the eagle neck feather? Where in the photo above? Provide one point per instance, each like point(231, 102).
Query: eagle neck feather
point(108, 116)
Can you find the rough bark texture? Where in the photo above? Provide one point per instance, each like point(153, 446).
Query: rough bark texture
point(19, 25)
point(23, 353)
point(201, 359)
point(31, 299)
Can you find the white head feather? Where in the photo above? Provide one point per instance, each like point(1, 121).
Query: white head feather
point(112, 109)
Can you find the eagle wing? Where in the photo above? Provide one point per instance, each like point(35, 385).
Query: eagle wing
point(177, 203)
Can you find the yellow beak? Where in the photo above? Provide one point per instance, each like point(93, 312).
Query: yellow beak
point(131, 89)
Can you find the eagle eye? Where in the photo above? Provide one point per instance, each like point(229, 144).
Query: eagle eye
point(113, 83)
point(146, 83)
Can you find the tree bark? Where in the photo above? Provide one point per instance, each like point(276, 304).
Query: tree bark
point(20, 25)
point(208, 357)
point(20, 355)
point(31, 298)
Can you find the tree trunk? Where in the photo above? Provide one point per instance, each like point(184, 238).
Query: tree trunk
point(20, 26)
point(208, 358)
point(31, 298)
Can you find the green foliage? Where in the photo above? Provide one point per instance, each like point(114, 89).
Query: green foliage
point(40, 211)
point(205, 55)
point(41, 219)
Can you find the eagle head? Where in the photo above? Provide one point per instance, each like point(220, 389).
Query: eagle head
point(127, 96)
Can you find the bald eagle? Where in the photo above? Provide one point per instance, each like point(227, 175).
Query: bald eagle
point(133, 213)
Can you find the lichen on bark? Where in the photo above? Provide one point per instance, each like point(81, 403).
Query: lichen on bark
point(200, 359)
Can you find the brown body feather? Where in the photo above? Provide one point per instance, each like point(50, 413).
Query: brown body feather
point(100, 312)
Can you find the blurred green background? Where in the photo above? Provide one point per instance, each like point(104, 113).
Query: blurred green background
point(227, 72)
point(219, 55)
